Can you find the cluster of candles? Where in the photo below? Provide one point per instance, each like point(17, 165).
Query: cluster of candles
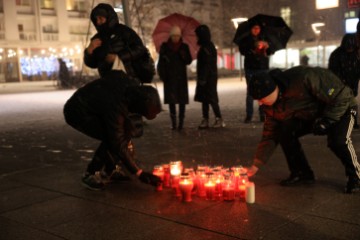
point(211, 183)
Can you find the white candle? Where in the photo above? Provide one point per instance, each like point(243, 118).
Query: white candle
point(250, 192)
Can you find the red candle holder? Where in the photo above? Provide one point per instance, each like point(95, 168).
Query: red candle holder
point(185, 186)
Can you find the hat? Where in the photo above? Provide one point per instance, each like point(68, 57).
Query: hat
point(261, 85)
point(175, 30)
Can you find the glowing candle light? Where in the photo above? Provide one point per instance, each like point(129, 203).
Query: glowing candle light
point(210, 190)
point(159, 171)
point(166, 181)
point(186, 185)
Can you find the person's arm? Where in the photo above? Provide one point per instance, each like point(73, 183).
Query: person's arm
point(132, 48)
point(266, 146)
point(185, 54)
point(90, 59)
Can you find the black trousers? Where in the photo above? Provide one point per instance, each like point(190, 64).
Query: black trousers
point(172, 109)
point(215, 107)
point(338, 138)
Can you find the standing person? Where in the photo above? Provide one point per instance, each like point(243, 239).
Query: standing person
point(304, 60)
point(300, 101)
point(256, 51)
point(207, 76)
point(64, 75)
point(344, 61)
point(174, 55)
point(110, 110)
point(112, 40)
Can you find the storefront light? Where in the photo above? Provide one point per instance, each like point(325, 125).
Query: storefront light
point(324, 4)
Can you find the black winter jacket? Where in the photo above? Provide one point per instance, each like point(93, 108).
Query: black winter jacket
point(116, 38)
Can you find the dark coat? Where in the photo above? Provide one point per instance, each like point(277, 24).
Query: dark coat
point(344, 61)
point(305, 94)
point(172, 71)
point(206, 68)
point(100, 110)
point(253, 59)
point(116, 38)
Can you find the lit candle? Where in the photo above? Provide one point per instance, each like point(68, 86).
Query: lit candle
point(210, 190)
point(200, 181)
point(186, 185)
point(218, 188)
point(166, 181)
point(159, 171)
point(228, 193)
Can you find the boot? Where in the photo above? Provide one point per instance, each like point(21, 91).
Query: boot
point(219, 123)
point(204, 123)
point(247, 119)
point(353, 185)
point(173, 121)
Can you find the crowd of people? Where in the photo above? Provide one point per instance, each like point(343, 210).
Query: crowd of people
point(292, 103)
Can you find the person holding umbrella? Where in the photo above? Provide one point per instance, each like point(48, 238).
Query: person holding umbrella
point(207, 76)
point(300, 101)
point(174, 56)
point(256, 51)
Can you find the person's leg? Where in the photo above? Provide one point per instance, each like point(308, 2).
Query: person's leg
point(205, 114)
point(172, 109)
point(300, 170)
point(219, 122)
point(182, 108)
point(249, 99)
point(339, 141)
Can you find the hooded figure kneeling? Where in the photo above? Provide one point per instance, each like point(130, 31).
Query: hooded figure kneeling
point(110, 109)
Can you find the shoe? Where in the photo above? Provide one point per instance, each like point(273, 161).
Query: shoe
point(247, 119)
point(352, 186)
point(298, 179)
point(219, 123)
point(118, 175)
point(204, 124)
point(93, 182)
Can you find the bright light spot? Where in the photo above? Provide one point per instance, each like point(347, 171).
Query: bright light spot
point(315, 26)
point(237, 21)
point(323, 4)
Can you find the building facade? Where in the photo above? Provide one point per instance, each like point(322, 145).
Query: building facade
point(35, 33)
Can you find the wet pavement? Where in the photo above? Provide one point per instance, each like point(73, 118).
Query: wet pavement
point(42, 160)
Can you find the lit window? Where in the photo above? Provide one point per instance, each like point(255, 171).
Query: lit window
point(285, 13)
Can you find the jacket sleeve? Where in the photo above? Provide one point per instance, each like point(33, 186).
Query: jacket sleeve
point(91, 60)
point(162, 63)
point(268, 142)
point(134, 46)
point(185, 54)
point(327, 88)
point(247, 47)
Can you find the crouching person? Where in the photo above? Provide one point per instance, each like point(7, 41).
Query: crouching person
point(110, 110)
point(300, 101)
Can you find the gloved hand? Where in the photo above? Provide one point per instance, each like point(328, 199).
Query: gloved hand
point(149, 178)
point(321, 126)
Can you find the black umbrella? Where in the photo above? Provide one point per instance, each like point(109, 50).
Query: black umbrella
point(274, 30)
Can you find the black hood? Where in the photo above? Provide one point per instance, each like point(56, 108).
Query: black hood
point(203, 34)
point(348, 42)
point(107, 11)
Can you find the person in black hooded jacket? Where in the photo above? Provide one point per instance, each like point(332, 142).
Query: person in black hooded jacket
point(112, 39)
point(109, 109)
point(207, 76)
point(344, 62)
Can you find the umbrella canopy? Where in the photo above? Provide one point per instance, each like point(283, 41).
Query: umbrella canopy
point(187, 26)
point(273, 28)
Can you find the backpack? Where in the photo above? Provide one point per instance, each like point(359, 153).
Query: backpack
point(144, 67)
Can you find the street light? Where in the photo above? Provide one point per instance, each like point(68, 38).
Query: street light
point(236, 22)
point(315, 27)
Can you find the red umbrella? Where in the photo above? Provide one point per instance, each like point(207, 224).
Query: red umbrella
point(187, 26)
